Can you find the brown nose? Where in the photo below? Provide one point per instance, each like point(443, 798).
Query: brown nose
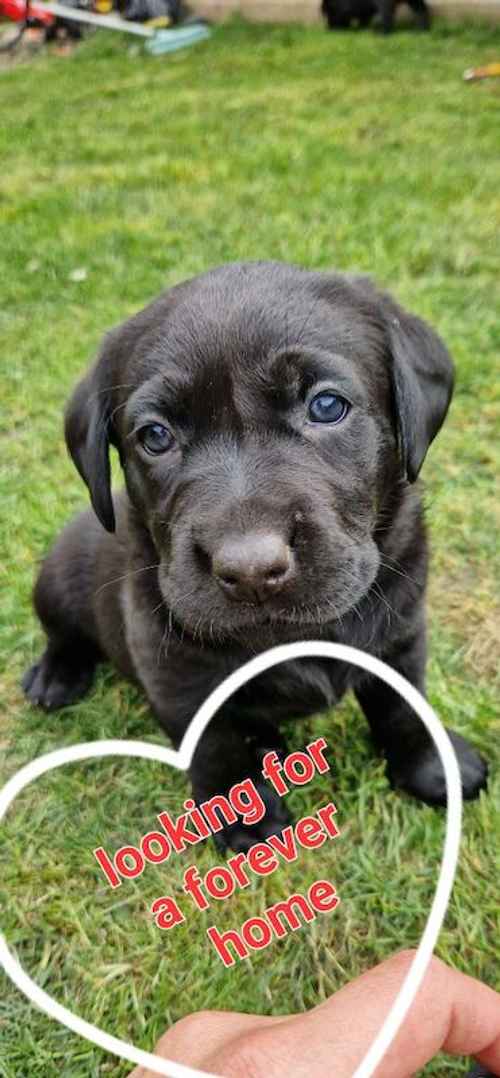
point(253, 567)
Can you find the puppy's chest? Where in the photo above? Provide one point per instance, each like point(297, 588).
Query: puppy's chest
point(295, 689)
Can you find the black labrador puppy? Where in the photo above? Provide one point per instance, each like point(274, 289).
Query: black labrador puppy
point(271, 423)
point(341, 14)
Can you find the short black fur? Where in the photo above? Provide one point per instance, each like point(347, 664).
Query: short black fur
point(343, 14)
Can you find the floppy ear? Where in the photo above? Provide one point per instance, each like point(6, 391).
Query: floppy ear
point(422, 379)
point(88, 435)
point(89, 426)
point(422, 374)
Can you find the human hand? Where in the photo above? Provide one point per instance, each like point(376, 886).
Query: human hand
point(452, 1012)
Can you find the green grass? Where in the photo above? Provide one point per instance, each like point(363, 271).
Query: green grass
point(281, 143)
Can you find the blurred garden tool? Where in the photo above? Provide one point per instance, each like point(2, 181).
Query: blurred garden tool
point(158, 40)
point(488, 71)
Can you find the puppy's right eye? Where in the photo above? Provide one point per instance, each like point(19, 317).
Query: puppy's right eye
point(155, 438)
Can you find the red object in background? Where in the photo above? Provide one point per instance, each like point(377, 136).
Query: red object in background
point(16, 11)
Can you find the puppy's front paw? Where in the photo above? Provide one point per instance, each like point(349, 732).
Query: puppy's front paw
point(422, 776)
point(240, 837)
point(57, 680)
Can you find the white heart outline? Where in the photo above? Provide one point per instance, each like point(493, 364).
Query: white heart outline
point(181, 760)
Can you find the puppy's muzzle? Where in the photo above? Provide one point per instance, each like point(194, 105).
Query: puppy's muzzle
point(254, 566)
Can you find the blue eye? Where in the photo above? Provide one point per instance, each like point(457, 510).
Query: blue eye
point(328, 407)
point(155, 438)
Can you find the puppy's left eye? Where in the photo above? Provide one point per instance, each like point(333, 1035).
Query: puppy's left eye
point(328, 407)
point(155, 438)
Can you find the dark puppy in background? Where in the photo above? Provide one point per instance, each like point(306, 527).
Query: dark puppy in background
point(342, 14)
point(270, 423)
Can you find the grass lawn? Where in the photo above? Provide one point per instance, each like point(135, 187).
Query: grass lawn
point(283, 143)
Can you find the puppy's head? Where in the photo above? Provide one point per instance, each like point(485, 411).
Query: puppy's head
point(267, 419)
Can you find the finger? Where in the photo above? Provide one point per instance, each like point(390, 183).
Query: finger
point(205, 1034)
point(452, 1012)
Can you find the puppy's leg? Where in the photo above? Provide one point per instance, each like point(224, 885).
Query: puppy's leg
point(336, 15)
point(62, 600)
point(412, 760)
point(230, 752)
point(365, 11)
point(422, 14)
point(226, 756)
point(385, 23)
point(63, 674)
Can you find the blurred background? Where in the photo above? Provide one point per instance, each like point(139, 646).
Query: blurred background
point(122, 173)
